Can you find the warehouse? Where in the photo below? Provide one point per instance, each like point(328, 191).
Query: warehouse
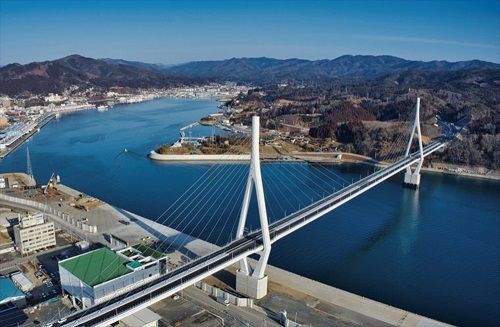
point(22, 282)
point(9, 292)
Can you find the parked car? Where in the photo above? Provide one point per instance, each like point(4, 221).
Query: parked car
point(222, 300)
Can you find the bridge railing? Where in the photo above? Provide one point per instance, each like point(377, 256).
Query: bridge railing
point(172, 282)
point(313, 211)
point(201, 267)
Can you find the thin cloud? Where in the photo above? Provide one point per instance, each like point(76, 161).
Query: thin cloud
point(424, 40)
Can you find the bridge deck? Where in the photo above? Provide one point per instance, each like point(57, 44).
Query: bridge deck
point(202, 267)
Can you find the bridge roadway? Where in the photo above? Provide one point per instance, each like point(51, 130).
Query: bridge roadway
point(200, 268)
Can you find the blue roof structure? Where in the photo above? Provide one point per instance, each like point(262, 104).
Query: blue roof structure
point(8, 290)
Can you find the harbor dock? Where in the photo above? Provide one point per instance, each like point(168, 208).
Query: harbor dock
point(8, 149)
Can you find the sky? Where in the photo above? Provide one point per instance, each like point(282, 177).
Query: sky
point(174, 32)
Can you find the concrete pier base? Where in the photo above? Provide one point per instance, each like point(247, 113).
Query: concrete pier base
point(412, 180)
point(251, 286)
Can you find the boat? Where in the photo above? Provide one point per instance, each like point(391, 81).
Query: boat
point(102, 108)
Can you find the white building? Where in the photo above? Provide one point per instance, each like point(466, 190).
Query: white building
point(33, 233)
point(22, 282)
point(99, 275)
point(54, 98)
point(142, 318)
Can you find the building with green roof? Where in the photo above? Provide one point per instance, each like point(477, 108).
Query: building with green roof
point(97, 267)
point(99, 275)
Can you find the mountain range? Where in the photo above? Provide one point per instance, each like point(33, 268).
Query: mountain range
point(258, 70)
point(57, 75)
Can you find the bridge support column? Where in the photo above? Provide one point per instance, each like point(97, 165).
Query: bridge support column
point(252, 286)
point(412, 178)
point(253, 282)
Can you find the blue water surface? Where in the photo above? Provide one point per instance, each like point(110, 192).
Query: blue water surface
point(434, 251)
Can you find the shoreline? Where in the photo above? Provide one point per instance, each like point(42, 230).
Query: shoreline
point(153, 155)
point(325, 159)
point(20, 141)
point(329, 158)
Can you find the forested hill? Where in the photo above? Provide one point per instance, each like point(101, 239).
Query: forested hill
point(268, 71)
point(56, 75)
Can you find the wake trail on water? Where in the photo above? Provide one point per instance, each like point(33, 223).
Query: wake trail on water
point(126, 151)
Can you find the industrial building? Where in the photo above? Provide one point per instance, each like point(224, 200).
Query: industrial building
point(102, 274)
point(22, 282)
point(12, 316)
point(8, 220)
point(34, 233)
point(142, 318)
point(9, 292)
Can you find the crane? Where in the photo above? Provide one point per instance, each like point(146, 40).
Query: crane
point(48, 183)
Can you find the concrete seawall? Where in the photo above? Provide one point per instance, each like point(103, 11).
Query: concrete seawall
point(352, 307)
point(198, 157)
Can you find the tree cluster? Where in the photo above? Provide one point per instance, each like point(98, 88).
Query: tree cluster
point(344, 107)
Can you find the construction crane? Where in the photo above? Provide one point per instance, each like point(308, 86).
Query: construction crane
point(48, 183)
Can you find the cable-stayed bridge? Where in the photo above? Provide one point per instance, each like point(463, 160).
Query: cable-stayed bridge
point(251, 281)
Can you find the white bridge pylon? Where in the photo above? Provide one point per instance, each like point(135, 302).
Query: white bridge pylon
point(412, 178)
point(253, 282)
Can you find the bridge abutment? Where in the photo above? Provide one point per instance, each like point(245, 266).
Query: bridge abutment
point(251, 286)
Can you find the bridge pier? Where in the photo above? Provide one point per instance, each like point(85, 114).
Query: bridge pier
point(412, 180)
point(250, 285)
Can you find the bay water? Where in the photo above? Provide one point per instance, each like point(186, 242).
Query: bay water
point(433, 251)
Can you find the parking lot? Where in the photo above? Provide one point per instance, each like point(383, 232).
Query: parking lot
point(44, 300)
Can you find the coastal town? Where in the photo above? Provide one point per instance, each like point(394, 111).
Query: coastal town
point(22, 117)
